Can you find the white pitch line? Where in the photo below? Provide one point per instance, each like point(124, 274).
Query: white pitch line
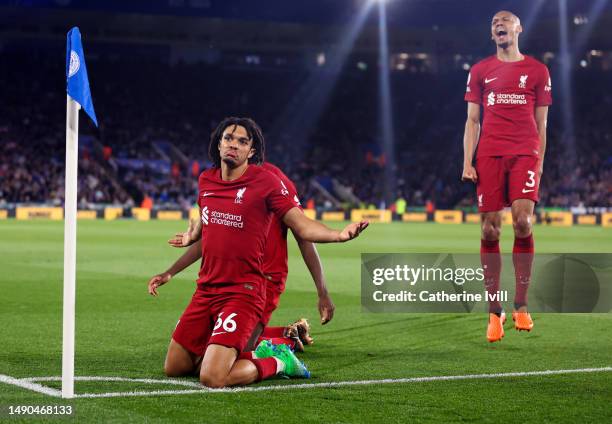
point(153, 393)
point(348, 383)
point(121, 379)
point(30, 386)
point(22, 383)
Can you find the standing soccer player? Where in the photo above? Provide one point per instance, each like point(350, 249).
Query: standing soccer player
point(237, 201)
point(514, 92)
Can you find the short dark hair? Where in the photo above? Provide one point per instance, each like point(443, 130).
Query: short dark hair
point(253, 131)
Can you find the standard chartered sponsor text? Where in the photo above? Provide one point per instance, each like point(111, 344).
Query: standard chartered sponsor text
point(511, 99)
point(227, 219)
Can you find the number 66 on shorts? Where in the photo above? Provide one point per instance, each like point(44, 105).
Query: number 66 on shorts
point(228, 324)
point(223, 314)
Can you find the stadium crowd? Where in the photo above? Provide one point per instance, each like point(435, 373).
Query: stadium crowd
point(154, 130)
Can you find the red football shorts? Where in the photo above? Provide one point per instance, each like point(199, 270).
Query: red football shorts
point(273, 293)
point(504, 179)
point(223, 314)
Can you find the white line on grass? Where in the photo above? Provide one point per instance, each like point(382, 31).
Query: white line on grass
point(30, 386)
point(122, 379)
point(28, 383)
point(152, 393)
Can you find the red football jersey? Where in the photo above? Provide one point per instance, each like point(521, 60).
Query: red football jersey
point(509, 93)
point(275, 256)
point(236, 216)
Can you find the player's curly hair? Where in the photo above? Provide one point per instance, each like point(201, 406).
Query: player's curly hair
point(253, 131)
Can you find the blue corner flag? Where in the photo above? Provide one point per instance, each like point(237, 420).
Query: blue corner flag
point(77, 84)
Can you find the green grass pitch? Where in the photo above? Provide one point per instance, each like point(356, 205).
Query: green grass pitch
point(122, 331)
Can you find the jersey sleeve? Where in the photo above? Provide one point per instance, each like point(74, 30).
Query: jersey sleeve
point(543, 89)
point(473, 89)
point(201, 180)
point(278, 199)
point(294, 194)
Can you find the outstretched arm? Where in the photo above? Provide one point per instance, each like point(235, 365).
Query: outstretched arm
point(313, 262)
point(189, 257)
point(309, 230)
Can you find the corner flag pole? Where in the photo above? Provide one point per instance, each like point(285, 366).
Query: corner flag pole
point(70, 211)
point(79, 96)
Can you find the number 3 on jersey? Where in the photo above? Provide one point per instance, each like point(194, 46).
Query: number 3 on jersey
point(228, 324)
point(530, 183)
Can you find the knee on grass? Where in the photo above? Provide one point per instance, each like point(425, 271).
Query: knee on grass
point(213, 381)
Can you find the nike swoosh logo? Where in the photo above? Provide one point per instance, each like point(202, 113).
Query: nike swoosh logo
point(207, 194)
point(489, 80)
point(528, 191)
point(220, 332)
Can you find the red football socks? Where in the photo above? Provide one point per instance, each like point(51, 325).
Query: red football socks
point(490, 259)
point(266, 367)
point(522, 257)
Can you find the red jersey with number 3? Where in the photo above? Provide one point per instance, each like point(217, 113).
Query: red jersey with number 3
point(509, 93)
point(275, 256)
point(236, 216)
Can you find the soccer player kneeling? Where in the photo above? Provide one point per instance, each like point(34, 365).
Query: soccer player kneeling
point(237, 200)
point(275, 268)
